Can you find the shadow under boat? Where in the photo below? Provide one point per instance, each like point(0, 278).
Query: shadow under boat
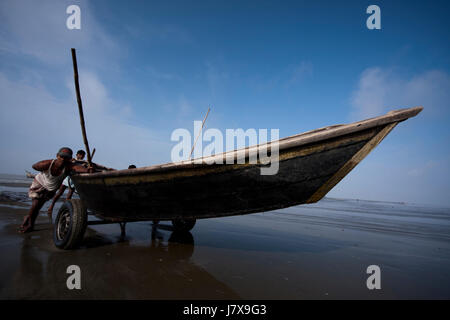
point(160, 269)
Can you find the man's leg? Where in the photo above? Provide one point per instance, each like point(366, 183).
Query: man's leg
point(69, 193)
point(28, 221)
point(56, 198)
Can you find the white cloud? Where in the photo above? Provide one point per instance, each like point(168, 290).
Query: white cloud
point(34, 124)
point(38, 116)
point(380, 90)
point(369, 99)
point(38, 29)
point(412, 163)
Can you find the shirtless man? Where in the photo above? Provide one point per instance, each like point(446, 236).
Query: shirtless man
point(47, 181)
point(67, 183)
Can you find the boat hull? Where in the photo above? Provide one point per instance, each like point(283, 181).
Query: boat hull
point(306, 173)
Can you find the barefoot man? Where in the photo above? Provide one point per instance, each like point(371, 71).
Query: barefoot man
point(47, 181)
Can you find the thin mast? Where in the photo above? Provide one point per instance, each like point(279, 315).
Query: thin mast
point(203, 123)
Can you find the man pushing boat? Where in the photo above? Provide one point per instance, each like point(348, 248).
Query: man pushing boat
point(67, 183)
point(47, 182)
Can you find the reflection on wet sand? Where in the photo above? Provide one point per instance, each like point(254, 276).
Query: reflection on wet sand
point(317, 251)
point(112, 268)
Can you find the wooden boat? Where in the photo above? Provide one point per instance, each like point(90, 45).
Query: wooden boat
point(310, 165)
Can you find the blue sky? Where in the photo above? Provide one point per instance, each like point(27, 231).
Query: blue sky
point(149, 67)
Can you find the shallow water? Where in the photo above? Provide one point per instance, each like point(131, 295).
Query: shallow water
point(320, 251)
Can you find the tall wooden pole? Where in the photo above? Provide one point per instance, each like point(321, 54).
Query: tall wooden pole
point(80, 106)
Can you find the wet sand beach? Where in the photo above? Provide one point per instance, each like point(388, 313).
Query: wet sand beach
point(318, 251)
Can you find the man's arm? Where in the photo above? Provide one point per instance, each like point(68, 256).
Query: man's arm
point(81, 169)
point(42, 165)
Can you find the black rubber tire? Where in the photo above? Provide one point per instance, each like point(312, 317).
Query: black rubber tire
point(70, 225)
point(183, 224)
